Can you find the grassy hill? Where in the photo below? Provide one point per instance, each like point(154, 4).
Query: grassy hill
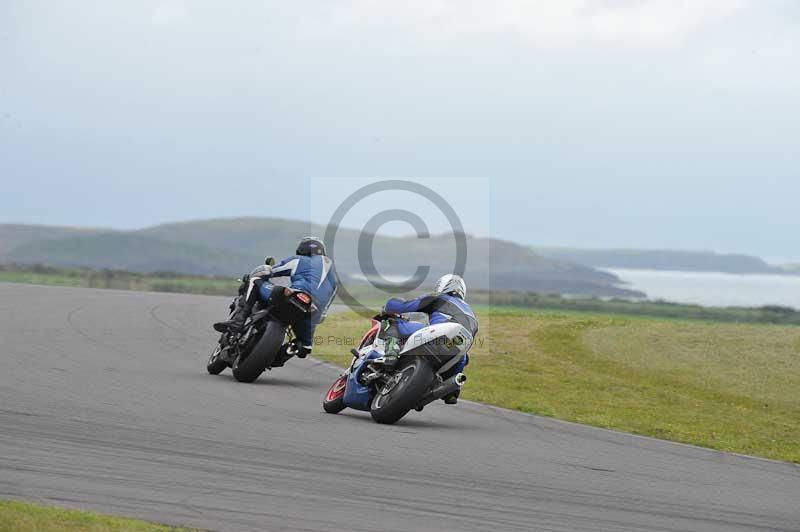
point(664, 259)
point(132, 252)
point(14, 235)
point(232, 246)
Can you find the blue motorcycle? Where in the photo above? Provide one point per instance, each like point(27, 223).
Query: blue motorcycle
point(421, 376)
point(267, 339)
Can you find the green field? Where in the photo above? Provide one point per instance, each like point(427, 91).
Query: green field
point(727, 386)
point(25, 517)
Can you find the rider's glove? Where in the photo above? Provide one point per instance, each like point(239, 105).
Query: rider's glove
point(245, 280)
point(262, 271)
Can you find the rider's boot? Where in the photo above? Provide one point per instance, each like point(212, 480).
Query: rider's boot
point(391, 352)
point(452, 398)
point(302, 351)
point(284, 354)
point(243, 308)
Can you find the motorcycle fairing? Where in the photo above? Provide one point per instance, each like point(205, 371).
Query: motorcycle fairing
point(356, 395)
point(458, 336)
point(443, 345)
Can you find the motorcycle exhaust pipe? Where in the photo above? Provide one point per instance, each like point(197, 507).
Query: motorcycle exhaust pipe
point(443, 389)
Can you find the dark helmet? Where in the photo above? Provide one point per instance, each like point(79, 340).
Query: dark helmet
point(310, 245)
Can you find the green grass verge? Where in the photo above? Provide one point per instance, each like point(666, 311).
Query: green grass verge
point(727, 386)
point(25, 517)
point(368, 295)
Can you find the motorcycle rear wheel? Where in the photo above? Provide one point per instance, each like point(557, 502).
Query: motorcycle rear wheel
point(249, 366)
point(409, 383)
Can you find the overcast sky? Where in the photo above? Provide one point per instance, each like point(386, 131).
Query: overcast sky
point(597, 123)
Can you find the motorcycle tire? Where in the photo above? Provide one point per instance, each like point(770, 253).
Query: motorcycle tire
point(333, 403)
point(215, 365)
point(249, 366)
point(409, 383)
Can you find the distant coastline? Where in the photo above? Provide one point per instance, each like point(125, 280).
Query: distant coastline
point(669, 260)
point(714, 289)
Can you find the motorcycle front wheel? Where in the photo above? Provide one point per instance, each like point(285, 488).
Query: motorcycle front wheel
point(334, 399)
point(403, 391)
point(215, 364)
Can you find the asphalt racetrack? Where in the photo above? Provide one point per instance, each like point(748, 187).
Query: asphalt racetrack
point(105, 404)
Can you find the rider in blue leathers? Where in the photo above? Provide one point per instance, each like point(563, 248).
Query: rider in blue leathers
point(445, 304)
point(310, 271)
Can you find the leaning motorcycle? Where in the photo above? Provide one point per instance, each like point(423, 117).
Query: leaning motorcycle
point(266, 340)
point(389, 393)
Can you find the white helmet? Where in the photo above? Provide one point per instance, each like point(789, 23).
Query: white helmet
point(451, 284)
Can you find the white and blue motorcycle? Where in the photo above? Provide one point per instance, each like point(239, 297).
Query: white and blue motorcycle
point(417, 379)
